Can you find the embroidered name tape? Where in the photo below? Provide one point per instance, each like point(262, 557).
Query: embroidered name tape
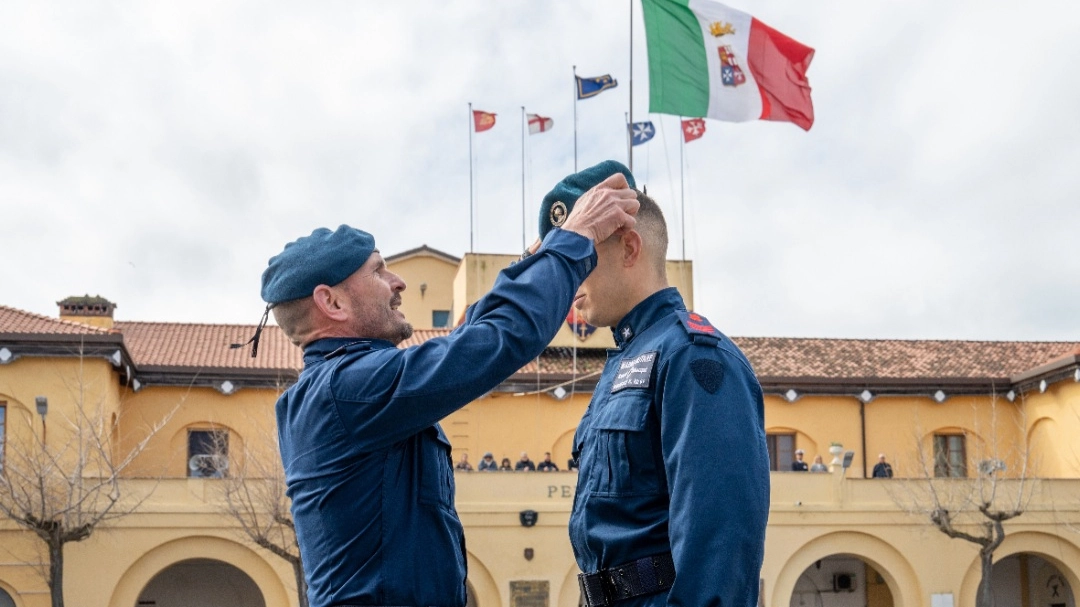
point(635, 372)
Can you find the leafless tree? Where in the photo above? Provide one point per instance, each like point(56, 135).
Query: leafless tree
point(254, 497)
point(64, 485)
point(973, 505)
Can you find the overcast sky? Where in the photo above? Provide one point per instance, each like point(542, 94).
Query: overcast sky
point(158, 153)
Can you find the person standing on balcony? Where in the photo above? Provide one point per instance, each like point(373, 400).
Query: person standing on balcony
point(655, 520)
point(367, 466)
point(463, 463)
point(799, 465)
point(882, 469)
point(524, 464)
point(488, 463)
point(547, 465)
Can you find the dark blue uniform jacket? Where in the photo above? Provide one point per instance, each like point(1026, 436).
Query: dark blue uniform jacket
point(368, 468)
point(673, 458)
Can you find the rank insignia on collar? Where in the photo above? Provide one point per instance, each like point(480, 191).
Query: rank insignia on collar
point(627, 333)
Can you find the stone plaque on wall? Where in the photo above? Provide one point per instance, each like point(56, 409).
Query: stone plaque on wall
point(529, 593)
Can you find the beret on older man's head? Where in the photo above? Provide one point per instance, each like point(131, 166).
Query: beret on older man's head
point(324, 258)
point(560, 201)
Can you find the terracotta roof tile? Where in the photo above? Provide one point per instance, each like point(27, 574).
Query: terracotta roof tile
point(19, 322)
point(896, 359)
point(206, 346)
point(163, 344)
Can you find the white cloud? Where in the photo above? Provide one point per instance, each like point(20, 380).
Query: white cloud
point(159, 153)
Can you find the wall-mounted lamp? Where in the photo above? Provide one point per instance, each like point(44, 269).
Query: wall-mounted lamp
point(1010, 395)
point(848, 456)
point(1076, 375)
point(866, 396)
point(559, 392)
point(791, 395)
point(940, 396)
point(1043, 385)
point(42, 405)
point(423, 288)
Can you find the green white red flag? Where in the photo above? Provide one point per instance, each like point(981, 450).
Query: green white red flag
point(709, 60)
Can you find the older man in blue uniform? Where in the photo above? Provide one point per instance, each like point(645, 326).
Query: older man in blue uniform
point(367, 466)
point(673, 491)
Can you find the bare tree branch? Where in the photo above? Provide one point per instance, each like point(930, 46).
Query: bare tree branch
point(64, 486)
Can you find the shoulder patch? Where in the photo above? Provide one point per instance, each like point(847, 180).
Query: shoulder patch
point(697, 325)
point(708, 373)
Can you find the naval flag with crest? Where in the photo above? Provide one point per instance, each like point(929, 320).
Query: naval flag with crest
point(591, 87)
point(641, 132)
point(692, 129)
point(709, 60)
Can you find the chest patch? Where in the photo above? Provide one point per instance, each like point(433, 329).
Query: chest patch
point(635, 372)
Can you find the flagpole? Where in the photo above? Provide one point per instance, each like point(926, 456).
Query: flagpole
point(682, 188)
point(630, 120)
point(471, 120)
point(575, 119)
point(523, 178)
point(629, 141)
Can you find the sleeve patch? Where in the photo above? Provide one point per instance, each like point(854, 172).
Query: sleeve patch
point(708, 374)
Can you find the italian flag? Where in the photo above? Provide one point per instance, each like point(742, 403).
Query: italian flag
point(709, 60)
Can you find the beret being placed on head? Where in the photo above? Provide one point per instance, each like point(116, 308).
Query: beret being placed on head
point(560, 201)
point(324, 258)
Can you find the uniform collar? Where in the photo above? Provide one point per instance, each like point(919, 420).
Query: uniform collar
point(323, 349)
point(651, 309)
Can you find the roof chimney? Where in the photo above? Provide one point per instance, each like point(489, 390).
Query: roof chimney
point(95, 311)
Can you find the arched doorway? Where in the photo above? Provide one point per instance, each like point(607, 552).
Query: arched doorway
point(201, 581)
point(1028, 580)
point(841, 580)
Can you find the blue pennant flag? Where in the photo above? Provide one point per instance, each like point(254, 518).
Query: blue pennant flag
point(641, 132)
point(591, 87)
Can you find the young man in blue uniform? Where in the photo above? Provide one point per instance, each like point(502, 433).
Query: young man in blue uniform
point(367, 466)
point(673, 491)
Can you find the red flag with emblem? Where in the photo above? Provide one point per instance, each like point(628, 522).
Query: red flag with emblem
point(692, 129)
point(482, 121)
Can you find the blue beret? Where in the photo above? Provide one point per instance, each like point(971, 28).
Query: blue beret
point(324, 258)
point(560, 201)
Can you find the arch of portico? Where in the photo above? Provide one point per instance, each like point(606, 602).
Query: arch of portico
point(886, 560)
point(1058, 550)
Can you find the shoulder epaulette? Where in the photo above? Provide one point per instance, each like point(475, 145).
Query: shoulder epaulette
point(698, 327)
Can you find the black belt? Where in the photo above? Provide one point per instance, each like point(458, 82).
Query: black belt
point(638, 578)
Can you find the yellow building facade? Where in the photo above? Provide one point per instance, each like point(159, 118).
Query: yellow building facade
point(196, 412)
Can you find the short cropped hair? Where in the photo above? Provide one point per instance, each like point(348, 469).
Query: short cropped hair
point(652, 227)
point(294, 318)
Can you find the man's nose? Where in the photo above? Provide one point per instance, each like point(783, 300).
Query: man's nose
point(397, 284)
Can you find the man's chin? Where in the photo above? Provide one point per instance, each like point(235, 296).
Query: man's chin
point(405, 331)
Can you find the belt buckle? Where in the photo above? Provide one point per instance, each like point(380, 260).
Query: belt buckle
point(605, 588)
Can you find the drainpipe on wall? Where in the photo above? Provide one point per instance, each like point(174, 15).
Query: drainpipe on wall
point(862, 424)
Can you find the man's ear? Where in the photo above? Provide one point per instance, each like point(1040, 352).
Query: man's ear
point(328, 302)
point(631, 248)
